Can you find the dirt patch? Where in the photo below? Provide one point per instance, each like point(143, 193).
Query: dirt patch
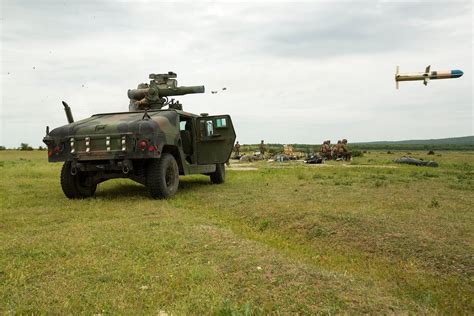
point(242, 167)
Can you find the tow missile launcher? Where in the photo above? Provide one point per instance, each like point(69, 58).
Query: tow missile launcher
point(150, 145)
point(155, 95)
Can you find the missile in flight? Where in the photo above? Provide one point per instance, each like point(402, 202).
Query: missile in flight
point(427, 75)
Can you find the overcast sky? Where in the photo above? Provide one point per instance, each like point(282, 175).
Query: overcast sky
point(295, 72)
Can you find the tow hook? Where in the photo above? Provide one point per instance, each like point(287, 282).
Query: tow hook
point(125, 169)
point(73, 171)
point(126, 166)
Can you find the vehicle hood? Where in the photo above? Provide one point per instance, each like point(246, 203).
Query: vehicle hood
point(120, 123)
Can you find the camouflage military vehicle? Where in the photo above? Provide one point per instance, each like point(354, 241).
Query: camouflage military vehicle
point(147, 144)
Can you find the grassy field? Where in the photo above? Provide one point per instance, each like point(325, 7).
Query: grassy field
point(368, 236)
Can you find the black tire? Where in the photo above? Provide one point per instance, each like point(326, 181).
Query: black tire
point(76, 186)
point(218, 176)
point(162, 177)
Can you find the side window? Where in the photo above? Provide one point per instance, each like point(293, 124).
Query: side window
point(209, 128)
point(221, 122)
point(185, 124)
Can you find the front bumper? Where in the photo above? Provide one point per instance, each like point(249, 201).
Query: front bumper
point(101, 147)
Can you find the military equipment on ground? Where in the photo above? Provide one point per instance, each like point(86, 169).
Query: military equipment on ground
point(148, 144)
point(314, 160)
point(280, 158)
point(416, 162)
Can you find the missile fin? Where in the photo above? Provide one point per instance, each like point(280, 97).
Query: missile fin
point(428, 68)
point(396, 76)
point(425, 81)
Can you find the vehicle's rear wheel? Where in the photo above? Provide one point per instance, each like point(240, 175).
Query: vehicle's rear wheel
point(162, 177)
point(77, 186)
point(218, 176)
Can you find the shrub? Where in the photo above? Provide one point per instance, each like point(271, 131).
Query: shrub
point(357, 153)
point(25, 146)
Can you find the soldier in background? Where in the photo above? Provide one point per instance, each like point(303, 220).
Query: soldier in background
point(322, 148)
point(262, 148)
point(340, 149)
point(335, 150)
point(237, 148)
point(325, 150)
point(328, 148)
point(346, 154)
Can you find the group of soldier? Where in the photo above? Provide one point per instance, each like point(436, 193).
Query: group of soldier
point(336, 151)
point(262, 148)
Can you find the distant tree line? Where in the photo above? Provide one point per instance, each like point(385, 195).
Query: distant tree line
point(452, 147)
point(308, 148)
point(23, 147)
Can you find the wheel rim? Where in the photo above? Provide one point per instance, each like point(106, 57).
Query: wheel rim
point(170, 177)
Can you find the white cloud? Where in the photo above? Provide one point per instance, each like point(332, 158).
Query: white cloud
point(295, 72)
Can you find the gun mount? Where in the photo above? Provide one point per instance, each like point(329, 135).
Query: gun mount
point(155, 94)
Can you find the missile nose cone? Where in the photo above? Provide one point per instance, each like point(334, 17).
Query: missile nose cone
point(456, 73)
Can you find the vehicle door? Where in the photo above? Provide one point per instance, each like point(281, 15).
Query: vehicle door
point(216, 137)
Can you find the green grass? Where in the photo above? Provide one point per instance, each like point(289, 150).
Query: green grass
point(363, 237)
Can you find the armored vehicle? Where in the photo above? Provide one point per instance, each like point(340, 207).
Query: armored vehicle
point(147, 144)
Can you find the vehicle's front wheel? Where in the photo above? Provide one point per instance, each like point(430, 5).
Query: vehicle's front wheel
point(218, 176)
point(162, 177)
point(78, 185)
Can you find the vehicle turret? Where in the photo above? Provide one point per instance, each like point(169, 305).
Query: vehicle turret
point(155, 94)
